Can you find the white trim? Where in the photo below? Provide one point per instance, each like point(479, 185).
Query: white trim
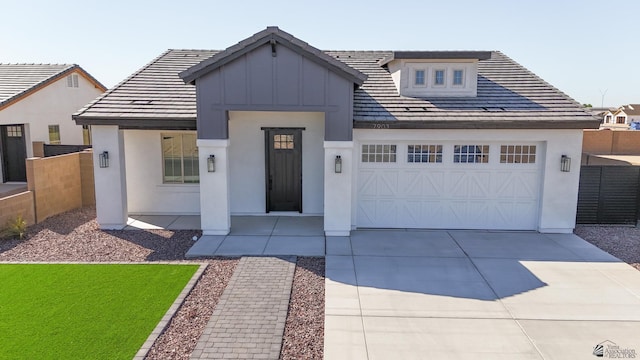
point(338, 144)
point(212, 142)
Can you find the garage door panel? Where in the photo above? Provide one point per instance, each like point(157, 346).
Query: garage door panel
point(448, 195)
point(422, 184)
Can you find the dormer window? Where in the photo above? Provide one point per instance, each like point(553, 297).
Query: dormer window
point(458, 77)
point(419, 78)
point(427, 74)
point(438, 77)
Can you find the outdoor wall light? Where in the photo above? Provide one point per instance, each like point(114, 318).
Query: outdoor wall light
point(211, 163)
point(104, 159)
point(565, 163)
point(338, 164)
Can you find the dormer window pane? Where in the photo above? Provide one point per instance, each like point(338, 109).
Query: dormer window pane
point(419, 77)
point(457, 77)
point(439, 77)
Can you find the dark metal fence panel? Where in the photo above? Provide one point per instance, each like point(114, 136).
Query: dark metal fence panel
point(608, 195)
point(54, 150)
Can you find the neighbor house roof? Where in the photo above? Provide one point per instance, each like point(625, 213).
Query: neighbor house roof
point(508, 96)
point(19, 80)
point(631, 109)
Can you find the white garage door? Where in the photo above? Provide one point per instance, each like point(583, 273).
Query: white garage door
point(456, 185)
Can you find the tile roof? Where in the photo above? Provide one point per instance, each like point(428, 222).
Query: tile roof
point(154, 93)
point(507, 92)
point(509, 96)
point(18, 80)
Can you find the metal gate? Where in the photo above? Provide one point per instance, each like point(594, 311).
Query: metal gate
point(608, 195)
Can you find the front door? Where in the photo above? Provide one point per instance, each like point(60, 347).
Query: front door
point(283, 169)
point(14, 153)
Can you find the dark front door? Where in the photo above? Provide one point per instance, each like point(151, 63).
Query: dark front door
point(284, 169)
point(14, 153)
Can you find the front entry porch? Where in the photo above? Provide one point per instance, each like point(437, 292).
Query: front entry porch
point(249, 235)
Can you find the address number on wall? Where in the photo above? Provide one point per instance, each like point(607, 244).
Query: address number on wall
point(381, 126)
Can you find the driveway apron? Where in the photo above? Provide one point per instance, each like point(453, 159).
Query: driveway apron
point(477, 294)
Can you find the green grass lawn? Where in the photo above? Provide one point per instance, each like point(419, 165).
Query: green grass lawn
point(83, 311)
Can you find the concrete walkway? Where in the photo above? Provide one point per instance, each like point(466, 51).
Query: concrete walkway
point(249, 320)
point(477, 295)
point(265, 235)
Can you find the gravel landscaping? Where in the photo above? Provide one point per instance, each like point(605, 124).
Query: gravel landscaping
point(75, 237)
point(622, 242)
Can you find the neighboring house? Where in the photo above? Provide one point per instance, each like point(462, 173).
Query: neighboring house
point(368, 139)
point(36, 102)
point(624, 115)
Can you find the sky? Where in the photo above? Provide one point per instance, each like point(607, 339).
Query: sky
point(584, 48)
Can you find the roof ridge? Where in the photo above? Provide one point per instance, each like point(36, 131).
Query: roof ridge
point(34, 63)
point(118, 85)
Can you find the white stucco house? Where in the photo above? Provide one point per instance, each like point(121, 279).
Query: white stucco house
point(624, 115)
point(36, 102)
point(368, 139)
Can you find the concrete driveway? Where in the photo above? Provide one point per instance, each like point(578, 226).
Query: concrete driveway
point(477, 295)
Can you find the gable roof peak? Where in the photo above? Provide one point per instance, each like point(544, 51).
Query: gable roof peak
point(274, 36)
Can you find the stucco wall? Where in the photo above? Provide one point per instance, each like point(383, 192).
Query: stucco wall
point(559, 190)
point(147, 194)
point(610, 142)
point(247, 159)
point(51, 105)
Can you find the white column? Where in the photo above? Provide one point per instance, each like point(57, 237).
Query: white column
point(215, 216)
point(560, 189)
point(110, 182)
point(337, 188)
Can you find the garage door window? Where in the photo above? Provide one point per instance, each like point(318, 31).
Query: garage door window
point(517, 154)
point(471, 154)
point(379, 153)
point(424, 153)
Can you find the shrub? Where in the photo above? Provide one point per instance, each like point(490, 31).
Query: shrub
point(16, 228)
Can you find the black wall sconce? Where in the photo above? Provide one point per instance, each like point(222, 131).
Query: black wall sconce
point(338, 164)
point(104, 159)
point(211, 163)
point(565, 163)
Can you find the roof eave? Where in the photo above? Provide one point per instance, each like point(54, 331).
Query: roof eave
point(146, 123)
point(474, 124)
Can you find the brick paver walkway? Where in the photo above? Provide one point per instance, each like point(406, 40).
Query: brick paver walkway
point(248, 322)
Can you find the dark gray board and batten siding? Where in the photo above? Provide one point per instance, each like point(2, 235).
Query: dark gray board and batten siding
point(258, 81)
point(608, 195)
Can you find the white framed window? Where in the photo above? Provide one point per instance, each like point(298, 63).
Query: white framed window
point(620, 119)
point(54, 134)
point(379, 153)
point(424, 153)
point(419, 78)
point(439, 77)
point(471, 154)
point(607, 119)
point(518, 154)
point(458, 77)
point(180, 159)
point(72, 80)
